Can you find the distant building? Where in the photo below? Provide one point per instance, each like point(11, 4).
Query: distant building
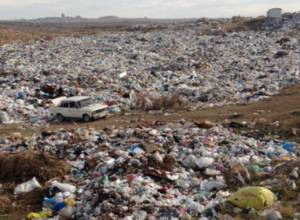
point(63, 15)
point(275, 13)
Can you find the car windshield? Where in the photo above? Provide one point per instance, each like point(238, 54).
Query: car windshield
point(85, 102)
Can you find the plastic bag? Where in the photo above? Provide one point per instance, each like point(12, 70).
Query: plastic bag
point(65, 187)
point(27, 186)
point(258, 198)
point(46, 213)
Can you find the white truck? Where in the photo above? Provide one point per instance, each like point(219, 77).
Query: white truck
point(77, 107)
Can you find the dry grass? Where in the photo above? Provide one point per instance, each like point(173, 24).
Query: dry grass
point(287, 212)
point(8, 35)
point(4, 204)
point(28, 32)
point(155, 102)
point(244, 24)
point(27, 35)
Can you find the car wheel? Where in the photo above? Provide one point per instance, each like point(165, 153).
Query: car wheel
point(86, 118)
point(60, 117)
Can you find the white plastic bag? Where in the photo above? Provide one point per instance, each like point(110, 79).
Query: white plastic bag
point(27, 186)
point(65, 187)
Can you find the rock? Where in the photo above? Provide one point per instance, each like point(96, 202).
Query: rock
point(205, 124)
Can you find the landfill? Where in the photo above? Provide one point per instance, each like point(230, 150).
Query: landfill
point(149, 169)
point(146, 71)
point(167, 171)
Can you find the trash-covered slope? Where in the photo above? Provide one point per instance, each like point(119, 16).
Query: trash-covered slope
point(132, 70)
point(163, 170)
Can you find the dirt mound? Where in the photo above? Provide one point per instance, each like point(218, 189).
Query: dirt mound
point(17, 168)
point(23, 204)
point(31, 201)
point(238, 24)
point(5, 203)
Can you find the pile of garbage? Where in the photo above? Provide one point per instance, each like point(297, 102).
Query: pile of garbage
point(152, 70)
point(289, 21)
point(162, 171)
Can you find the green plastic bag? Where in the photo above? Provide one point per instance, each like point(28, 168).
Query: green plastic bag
point(258, 198)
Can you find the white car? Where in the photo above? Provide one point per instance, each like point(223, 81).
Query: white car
point(77, 107)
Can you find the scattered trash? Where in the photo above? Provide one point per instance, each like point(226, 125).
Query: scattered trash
point(64, 187)
point(274, 215)
point(159, 170)
point(161, 71)
point(135, 149)
point(122, 75)
point(3, 117)
point(294, 174)
point(288, 147)
point(113, 169)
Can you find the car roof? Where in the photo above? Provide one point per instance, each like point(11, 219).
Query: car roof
point(75, 98)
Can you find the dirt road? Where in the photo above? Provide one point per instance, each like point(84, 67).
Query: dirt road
point(281, 113)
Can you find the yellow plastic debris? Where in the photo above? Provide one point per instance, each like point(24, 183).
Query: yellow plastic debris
point(258, 198)
point(46, 213)
point(70, 202)
point(286, 158)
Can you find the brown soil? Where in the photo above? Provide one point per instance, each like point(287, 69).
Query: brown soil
point(5, 203)
point(27, 32)
point(11, 34)
point(15, 208)
point(20, 167)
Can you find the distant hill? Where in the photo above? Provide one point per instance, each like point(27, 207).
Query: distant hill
point(109, 17)
point(97, 21)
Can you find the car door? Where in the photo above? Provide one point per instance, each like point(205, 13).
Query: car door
point(80, 110)
point(73, 110)
point(62, 109)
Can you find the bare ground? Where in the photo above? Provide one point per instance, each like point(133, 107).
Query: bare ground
point(27, 32)
point(279, 115)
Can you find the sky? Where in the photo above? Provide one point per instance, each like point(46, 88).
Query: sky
point(15, 9)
